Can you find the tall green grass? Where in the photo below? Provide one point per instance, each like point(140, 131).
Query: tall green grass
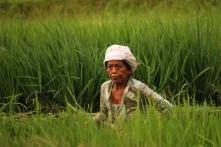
point(29, 9)
point(61, 60)
point(188, 126)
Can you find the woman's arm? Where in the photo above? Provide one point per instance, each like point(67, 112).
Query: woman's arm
point(162, 105)
point(102, 114)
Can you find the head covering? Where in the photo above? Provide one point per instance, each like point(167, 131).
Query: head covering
point(120, 52)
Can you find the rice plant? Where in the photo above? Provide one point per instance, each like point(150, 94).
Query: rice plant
point(63, 58)
point(188, 126)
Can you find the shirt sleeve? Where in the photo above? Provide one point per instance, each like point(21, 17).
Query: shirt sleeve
point(102, 115)
point(162, 105)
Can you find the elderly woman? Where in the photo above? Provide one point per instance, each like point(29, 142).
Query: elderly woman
point(121, 95)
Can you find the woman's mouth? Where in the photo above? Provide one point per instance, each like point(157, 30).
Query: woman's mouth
point(115, 77)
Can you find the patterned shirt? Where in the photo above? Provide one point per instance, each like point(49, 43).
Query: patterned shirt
point(134, 94)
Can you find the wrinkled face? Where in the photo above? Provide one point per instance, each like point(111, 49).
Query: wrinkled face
point(118, 71)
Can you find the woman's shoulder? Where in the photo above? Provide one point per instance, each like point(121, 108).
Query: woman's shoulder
point(106, 84)
point(138, 84)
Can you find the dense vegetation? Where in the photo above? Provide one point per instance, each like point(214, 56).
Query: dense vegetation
point(30, 9)
point(51, 54)
point(189, 126)
point(62, 59)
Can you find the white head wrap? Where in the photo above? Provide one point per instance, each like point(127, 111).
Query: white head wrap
point(120, 52)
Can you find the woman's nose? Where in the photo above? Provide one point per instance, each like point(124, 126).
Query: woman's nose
point(114, 70)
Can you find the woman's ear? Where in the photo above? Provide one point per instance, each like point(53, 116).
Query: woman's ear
point(130, 72)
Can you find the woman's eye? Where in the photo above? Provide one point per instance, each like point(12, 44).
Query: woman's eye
point(118, 66)
point(109, 66)
point(114, 66)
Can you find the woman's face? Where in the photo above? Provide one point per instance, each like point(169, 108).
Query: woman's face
point(118, 71)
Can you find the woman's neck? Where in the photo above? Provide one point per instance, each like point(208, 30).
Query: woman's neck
point(117, 93)
point(121, 85)
point(118, 86)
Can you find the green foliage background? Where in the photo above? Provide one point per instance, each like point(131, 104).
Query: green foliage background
point(53, 50)
point(51, 54)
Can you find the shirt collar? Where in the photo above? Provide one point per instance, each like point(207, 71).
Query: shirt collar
point(129, 83)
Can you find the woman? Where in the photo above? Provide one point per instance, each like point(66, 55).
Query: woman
point(122, 94)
